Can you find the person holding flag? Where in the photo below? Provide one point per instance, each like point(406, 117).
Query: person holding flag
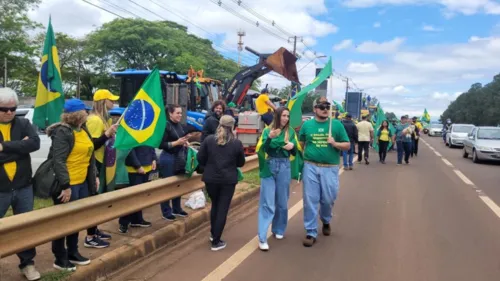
point(277, 144)
point(384, 135)
point(323, 139)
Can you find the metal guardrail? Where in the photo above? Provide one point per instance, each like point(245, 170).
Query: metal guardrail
point(24, 231)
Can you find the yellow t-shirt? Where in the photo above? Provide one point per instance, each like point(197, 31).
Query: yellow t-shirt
point(261, 105)
point(79, 158)
point(419, 126)
point(11, 167)
point(384, 135)
point(364, 129)
point(132, 170)
point(96, 128)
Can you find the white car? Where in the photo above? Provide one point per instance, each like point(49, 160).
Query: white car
point(435, 130)
point(457, 134)
point(483, 144)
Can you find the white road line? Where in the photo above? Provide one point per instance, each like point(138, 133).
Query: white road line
point(447, 162)
point(463, 177)
point(437, 153)
point(494, 207)
point(223, 270)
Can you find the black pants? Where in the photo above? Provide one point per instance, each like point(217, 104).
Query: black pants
point(414, 147)
point(134, 179)
point(382, 149)
point(221, 196)
point(363, 146)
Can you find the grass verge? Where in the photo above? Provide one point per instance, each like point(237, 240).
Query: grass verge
point(38, 204)
point(55, 276)
point(252, 177)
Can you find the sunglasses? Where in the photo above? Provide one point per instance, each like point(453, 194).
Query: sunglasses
point(7, 109)
point(323, 106)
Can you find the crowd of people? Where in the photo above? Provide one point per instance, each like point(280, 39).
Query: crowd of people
point(85, 163)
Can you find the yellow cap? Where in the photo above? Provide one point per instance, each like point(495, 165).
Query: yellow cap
point(103, 94)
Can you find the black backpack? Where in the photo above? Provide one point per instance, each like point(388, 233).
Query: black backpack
point(45, 183)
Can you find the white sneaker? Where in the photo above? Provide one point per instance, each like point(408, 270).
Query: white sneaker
point(30, 272)
point(263, 246)
point(279, 236)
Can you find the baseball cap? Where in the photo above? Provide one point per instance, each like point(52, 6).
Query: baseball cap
point(226, 121)
point(321, 100)
point(103, 94)
point(73, 105)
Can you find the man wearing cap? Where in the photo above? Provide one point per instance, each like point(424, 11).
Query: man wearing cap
point(17, 140)
point(352, 132)
point(321, 167)
point(265, 107)
point(402, 138)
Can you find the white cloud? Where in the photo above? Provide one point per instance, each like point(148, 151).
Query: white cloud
point(430, 28)
point(381, 48)
point(400, 89)
point(345, 44)
point(440, 96)
point(466, 7)
point(377, 24)
point(358, 67)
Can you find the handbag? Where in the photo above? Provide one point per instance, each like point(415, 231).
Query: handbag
point(45, 183)
point(180, 157)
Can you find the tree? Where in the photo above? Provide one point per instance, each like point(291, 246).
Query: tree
point(479, 105)
point(390, 116)
point(16, 46)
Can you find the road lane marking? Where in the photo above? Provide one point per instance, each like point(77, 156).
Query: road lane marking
point(223, 270)
point(447, 162)
point(463, 177)
point(437, 153)
point(494, 207)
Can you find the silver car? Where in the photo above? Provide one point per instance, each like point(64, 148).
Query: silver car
point(457, 134)
point(435, 130)
point(483, 143)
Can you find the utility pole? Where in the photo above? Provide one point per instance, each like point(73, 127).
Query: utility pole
point(292, 85)
point(78, 83)
point(346, 87)
point(241, 33)
point(5, 72)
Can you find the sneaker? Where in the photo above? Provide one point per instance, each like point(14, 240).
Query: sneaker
point(407, 162)
point(64, 265)
point(95, 242)
point(169, 218)
point(279, 236)
point(143, 223)
point(219, 246)
point(263, 246)
point(102, 235)
point(123, 228)
point(211, 238)
point(383, 161)
point(181, 214)
point(327, 229)
point(350, 168)
point(367, 162)
point(30, 272)
point(78, 259)
point(309, 241)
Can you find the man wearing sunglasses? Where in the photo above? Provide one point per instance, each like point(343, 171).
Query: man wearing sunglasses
point(321, 167)
point(17, 140)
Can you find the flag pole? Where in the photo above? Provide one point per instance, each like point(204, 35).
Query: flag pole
point(331, 105)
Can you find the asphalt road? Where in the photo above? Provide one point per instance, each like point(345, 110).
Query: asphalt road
point(431, 220)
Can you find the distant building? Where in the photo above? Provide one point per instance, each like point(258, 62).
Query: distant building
point(322, 88)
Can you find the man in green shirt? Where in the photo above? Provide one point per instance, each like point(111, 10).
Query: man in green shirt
point(321, 167)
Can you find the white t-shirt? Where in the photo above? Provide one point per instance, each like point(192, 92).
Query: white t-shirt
point(364, 129)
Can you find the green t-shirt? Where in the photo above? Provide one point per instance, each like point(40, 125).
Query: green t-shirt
point(314, 134)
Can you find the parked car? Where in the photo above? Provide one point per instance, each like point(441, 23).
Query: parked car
point(457, 133)
point(435, 130)
point(483, 143)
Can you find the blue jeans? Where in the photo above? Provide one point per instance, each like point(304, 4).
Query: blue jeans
point(78, 191)
point(273, 202)
point(21, 201)
point(321, 185)
point(167, 170)
point(134, 179)
point(403, 147)
point(348, 154)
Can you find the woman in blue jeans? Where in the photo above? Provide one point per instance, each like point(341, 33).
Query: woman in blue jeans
point(173, 158)
point(278, 141)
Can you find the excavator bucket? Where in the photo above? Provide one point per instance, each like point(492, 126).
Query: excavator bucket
point(283, 62)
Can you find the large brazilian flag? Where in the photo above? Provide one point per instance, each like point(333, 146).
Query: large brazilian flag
point(144, 120)
point(49, 101)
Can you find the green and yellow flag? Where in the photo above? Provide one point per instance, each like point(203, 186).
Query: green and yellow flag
point(295, 103)
point(191, 162)
point(426, 117)
point(340, 108)
point(144, 120)
point(49, 100)
point(380, 117)
point(296, 161)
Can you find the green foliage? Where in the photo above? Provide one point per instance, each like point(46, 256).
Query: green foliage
point(479, 105)
point(390, 116)
point(56, 276)
point(39, 203)
point(307, 106)
point(252, 177)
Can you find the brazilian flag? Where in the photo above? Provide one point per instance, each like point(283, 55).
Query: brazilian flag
point(49, 100)
point(144, 120)
point(192, 164)
point(380, 117)
point(296, 162)
point(295, 103)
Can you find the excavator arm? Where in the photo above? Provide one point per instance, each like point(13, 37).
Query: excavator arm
point(281, 61)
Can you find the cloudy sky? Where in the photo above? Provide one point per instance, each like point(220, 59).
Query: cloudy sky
point(411, 54)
